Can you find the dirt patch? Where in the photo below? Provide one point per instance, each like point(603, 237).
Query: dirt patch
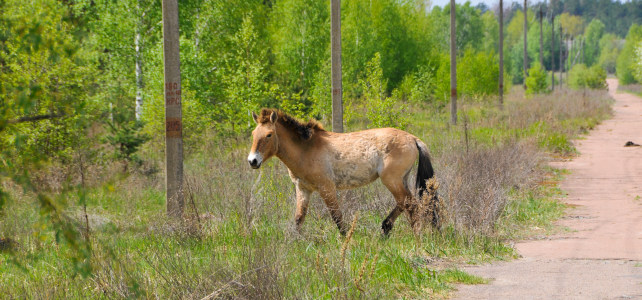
point(600, 256)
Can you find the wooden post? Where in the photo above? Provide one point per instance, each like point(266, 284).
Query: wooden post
point(337, 90)
point(552, 52)
point(525, 38)
point(453, 66)
point(173, 111)
point(501, 54)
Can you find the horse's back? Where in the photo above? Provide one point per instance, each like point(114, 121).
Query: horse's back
point(358, 158)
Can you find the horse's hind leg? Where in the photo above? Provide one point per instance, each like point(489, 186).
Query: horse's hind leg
point(396, 185)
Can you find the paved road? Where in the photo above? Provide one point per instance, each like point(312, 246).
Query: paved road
point(601, 258)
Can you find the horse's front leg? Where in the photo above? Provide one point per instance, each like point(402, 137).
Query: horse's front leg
point(302, 200)
point(329, 194)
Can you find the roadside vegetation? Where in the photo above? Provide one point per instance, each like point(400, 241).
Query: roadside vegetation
point(239, 239)
point(82, 184)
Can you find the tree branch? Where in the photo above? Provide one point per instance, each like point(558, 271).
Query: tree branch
point(35, 118)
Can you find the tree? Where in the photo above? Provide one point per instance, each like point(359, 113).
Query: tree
point(626, 60)
point(593, 34)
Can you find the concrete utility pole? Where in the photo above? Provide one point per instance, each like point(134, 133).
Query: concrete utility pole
point(525, 38)
point(552, 52)
point(541, 37)
point(337, 90)
point(501, 54)
point(173, 110)
point(453, 66)
point(561, 65)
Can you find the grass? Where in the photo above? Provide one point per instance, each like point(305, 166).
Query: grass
point(631, 88)
point(238, 239)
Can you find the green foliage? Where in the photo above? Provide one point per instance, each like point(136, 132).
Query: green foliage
point(593, 34)
point(536, 80)
point(126, 137)
point(477, 75)
point(582, 77)
point(637, 70)
point(626, 60)
point(382, 111)
point(610, 48)
point(245, 75)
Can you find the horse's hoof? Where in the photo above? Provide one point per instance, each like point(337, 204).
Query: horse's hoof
point(386, 226)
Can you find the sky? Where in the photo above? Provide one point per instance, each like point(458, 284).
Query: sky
point(490, 3)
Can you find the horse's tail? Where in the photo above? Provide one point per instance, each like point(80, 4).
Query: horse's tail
point(425, 172)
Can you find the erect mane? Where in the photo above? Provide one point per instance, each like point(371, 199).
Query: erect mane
point(303, 130)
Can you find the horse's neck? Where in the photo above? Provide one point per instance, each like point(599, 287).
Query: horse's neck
point(289, 151)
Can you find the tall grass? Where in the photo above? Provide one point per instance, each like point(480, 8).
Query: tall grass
point(239, 239)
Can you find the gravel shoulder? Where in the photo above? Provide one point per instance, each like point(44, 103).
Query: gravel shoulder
point(601, 256)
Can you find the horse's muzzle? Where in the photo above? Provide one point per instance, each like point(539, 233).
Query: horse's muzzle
point(255, 159)
point(255, 164)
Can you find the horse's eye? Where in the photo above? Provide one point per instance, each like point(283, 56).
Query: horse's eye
point(269, 135)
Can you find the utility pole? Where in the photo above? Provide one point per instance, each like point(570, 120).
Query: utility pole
point(552, 52)
point(525, 38)
point(541, 38)
point(453, 66)
point(337, 90)
point(561, 65)
point(501, 54)
point(173, 110)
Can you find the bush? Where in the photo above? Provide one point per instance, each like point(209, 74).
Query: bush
point(581, 77)
point(536, 80)
point(477, 75)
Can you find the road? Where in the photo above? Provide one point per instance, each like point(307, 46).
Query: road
point(601, 256)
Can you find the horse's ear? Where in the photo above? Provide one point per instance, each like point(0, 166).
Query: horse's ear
point(273, 117)
point(255, 117)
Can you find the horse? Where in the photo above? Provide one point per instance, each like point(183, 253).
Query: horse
point(323, 161)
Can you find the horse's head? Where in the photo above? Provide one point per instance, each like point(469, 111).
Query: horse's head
point(265, 142)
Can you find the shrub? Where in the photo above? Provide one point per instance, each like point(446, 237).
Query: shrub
point(382, 111)
point(536, 80)
point(581, 77)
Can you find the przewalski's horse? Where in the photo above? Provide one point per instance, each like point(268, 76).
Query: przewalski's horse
point(324, 161)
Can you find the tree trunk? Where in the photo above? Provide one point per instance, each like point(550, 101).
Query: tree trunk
point(561, 66)
point(337, 90)
point(139, 70)
point(453, 66)
point(501, 54)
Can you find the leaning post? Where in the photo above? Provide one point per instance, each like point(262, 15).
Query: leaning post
point(173, 110)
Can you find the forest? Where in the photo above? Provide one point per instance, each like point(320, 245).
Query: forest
point(82, 139)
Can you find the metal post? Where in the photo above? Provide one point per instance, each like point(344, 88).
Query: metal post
point(337, 90)
point(453, 66)
point(561, 65)
point(173, 111)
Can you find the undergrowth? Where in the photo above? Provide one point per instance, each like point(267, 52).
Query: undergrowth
point(238, 238)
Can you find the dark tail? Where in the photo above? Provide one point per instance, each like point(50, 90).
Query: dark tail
point(425, 172)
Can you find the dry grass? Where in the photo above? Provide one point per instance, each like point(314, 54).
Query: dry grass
point(239, 239)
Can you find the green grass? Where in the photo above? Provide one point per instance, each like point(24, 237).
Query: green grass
point(245, 244)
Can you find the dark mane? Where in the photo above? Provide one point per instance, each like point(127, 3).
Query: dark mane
point(303, 130)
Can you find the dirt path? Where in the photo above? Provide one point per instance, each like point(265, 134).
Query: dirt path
point(601, 258)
